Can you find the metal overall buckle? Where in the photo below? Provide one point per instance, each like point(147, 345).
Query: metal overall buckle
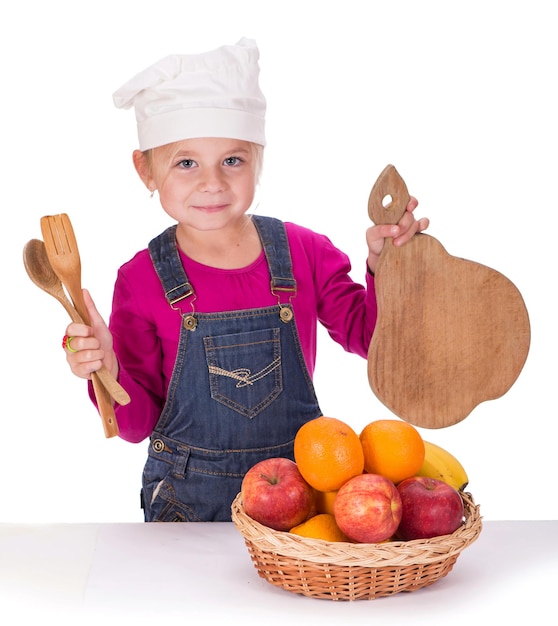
point(285, 310)
point(189, 320)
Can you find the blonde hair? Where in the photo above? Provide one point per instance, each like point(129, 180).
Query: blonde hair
point(257, 153)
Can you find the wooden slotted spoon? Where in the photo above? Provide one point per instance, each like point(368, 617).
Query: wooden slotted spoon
point(40, 271)
point(63, 254)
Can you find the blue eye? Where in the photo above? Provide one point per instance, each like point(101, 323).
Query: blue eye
point(187, 163)
point(233, 160)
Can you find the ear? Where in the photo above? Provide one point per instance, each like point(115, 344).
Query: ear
point(143, 168)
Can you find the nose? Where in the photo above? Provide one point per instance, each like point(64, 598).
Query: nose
point(211, 180)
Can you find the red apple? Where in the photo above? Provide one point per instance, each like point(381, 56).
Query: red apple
point(431, 508)
point(367, 508)
point(275, 494)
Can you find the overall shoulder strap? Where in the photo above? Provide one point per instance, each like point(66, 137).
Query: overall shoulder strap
point(277, 252)
point(166, 259)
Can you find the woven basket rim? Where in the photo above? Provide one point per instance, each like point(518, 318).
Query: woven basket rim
point(389, 554)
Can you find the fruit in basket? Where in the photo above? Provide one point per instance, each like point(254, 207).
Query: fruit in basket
point(392, 448)
point(323, 501)
point(275, 494)
point(367, 508)
point(430, 508)
point(328, 453)
point(440, 464)
point(321, 526)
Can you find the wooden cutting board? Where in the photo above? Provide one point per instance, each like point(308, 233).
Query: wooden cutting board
point(450, 334)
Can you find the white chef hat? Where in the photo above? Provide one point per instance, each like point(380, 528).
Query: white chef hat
point(213, 94)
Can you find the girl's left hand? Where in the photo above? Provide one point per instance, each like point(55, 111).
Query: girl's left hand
point(401, 233)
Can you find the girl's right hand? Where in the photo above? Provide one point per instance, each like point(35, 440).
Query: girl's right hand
point(92, 344)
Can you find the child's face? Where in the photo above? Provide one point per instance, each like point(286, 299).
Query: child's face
point(206, 183)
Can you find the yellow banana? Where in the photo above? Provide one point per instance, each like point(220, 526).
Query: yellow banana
point(442, 465)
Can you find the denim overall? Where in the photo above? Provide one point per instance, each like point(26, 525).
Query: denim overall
point(239, 391)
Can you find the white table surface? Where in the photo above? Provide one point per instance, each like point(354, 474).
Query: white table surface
point(202, 573)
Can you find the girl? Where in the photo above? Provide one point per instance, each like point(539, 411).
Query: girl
point(213, 326)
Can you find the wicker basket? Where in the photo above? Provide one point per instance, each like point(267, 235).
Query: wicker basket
point(353, 571)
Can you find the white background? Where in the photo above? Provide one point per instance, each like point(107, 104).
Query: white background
point(459, 96)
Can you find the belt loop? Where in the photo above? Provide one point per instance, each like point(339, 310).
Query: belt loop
point(181, 461)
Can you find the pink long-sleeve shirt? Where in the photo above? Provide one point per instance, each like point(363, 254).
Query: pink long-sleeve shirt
point(146, 329)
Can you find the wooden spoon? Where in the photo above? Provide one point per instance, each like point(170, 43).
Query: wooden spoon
point(40, 271)
point(450, 333)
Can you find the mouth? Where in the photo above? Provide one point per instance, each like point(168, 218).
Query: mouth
point(210, 208)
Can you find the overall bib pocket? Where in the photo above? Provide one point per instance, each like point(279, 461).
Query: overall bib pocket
point(245, 369)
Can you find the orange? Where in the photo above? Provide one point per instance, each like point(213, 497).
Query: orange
point(321, 526)
point(328, 452)
point(392, 448)
point(323, 501)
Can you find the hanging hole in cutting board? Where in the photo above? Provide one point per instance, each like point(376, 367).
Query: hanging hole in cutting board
point(386, 201)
